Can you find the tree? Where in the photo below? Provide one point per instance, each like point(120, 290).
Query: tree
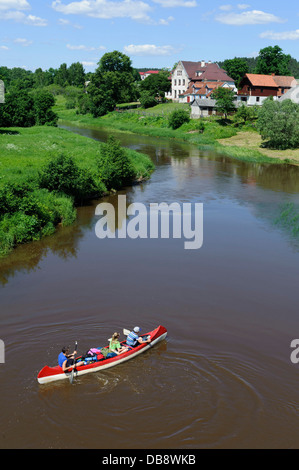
point(156, 84)
point(178, 117)
point(236, 69)
point(224, 100)
point(278, 124)
point(18, 110)
point(62, 76)
point(113, 82)
point(115, 62)
point(246, 113)
point(43, 102)
point(76, 74)
point(115, 167)
point(147, 100)
point(272, 60)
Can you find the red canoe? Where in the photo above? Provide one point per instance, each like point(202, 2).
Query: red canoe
point(52, 374)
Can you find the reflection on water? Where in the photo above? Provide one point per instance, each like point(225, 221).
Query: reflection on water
point(224, 377)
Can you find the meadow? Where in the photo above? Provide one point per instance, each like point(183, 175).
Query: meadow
point(229, 138)
point(47, 171)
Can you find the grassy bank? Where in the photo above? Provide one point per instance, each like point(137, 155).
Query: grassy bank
point(240, 143)
point(35, 198)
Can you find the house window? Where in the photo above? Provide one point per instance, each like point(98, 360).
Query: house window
point(183, 81)
point(257, 99)
point(262, 89)
point(179, 82)
point(175, 81)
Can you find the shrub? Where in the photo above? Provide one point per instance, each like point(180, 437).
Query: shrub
point(43, 102)
point(278, 123)
point(62, 174)
point(147, 99)
point(178, 117)
point(115, 168)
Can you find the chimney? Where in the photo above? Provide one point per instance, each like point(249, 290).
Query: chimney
point(203, 63)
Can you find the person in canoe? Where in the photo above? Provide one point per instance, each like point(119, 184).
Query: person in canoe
point(115, 348)
point(66, 360)
point(133, 339)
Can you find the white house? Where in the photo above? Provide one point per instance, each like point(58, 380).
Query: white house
point(186, 74)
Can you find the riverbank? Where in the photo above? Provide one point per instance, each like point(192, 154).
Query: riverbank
point(29, 209)
point(242, 143)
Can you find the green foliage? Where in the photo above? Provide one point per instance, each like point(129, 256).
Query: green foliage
point(43, 102)
point(115, 167)
point(113, 82)
point(245, 114)
point(24, 110)
point(236, 68)
point(224, 100)
point(62, 174)
point(278, 124)
point(18, 110)
point(28, 214)
point(156, 84)
point(147, 99)
point(178, 117)
point(273, 60)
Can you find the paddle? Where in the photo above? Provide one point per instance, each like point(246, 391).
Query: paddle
point(73, 369)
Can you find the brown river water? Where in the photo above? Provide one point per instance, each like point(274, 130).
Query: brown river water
point(223, 378)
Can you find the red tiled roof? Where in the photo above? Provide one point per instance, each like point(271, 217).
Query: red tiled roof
point(208, 72)
point(284, 81)
point(261, 80)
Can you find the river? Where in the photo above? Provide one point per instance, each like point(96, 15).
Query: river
point(223, 378)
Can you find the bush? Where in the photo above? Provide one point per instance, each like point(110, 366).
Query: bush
point(62, 174)
point(177, 118)
point(115, 168)
point(43, 102)
point(147, 99)
point(278, 124)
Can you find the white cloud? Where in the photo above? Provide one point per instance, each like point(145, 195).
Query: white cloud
point(286, 35)
point(23, 42)
point(4, 48)
point(148, 50)
point(64, 22)
point(225, 7)
point(166, 21)
point(20, 17)
point(243, 6)
point(84, 48)
point(105, 9)
point(248, 17)
point(88, 64)
point(177, 3)
point(14, 4)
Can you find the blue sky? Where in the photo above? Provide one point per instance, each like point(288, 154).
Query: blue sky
point(153, 33)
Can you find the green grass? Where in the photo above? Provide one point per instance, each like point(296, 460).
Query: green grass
point(29, 211)
point(23, 151)
point(154, 122)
